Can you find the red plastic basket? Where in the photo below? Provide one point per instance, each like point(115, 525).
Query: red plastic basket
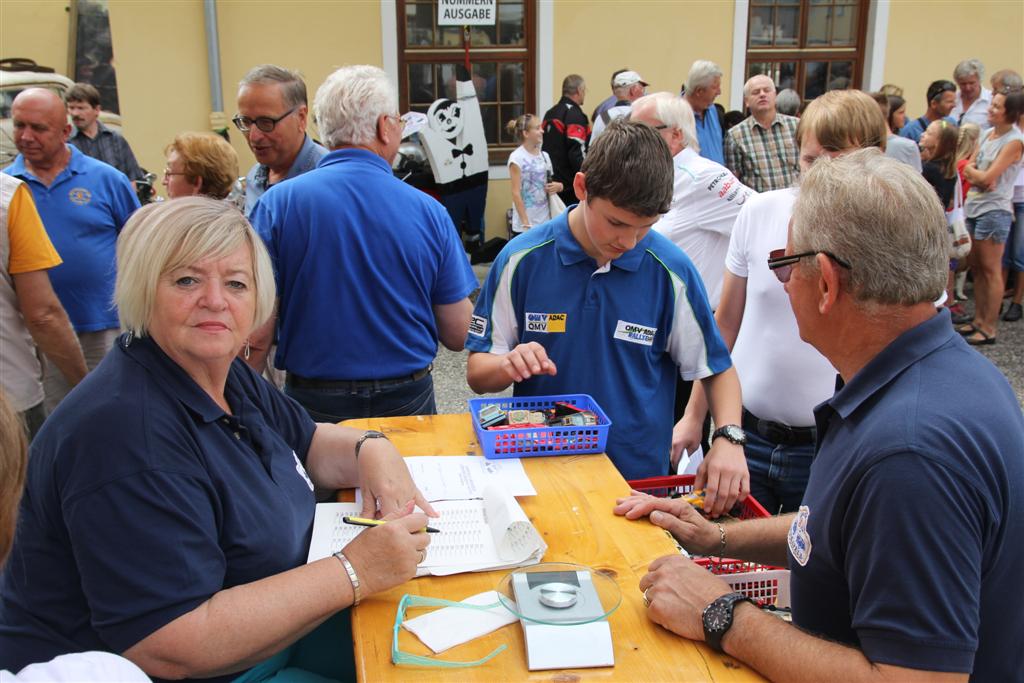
point(765, 584)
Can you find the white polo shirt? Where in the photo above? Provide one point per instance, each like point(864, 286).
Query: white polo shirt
point(782, 376)
point(706, 199)
point(977, 113)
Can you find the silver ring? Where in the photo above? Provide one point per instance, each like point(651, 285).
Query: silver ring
point(376, 500)
point(647, 601)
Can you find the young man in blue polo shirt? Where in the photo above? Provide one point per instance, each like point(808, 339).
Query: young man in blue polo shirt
point(594, 302)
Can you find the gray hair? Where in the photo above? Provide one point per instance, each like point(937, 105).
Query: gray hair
point(293, 88)
point(349, 103)
point(880, 216)
point(750, 83)
point(571, 84)
point(788, 102)
point(969, 67)
point(702, 73)
point(1010, 79)
point(675, 112)
point(161, 237)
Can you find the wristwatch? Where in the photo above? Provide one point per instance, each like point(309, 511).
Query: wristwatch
point(731, 432)
point(369, 434)
point(717, 618)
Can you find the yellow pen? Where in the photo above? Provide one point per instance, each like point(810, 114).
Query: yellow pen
point(363, 521)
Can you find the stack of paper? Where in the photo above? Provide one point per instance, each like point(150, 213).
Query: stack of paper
point(481, 525)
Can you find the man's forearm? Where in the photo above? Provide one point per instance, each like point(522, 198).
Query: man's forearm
point(723, 396)
point(782, 652)
point(53, 334)
point(759, 540)
point(484, 373)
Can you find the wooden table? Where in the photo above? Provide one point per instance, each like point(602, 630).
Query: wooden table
point(573, 511)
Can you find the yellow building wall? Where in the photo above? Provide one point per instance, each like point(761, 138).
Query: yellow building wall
point(927, 41)
point(36, 30)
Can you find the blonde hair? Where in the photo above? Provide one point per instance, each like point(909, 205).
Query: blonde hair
point(161, 237)
point(967, 140)
point(209, 157)
point(518, 126)
point(842, 120)
point(13, 465)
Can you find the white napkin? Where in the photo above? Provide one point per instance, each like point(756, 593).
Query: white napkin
point(447, 627)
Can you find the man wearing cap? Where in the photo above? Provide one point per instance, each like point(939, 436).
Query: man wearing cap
point(628, 87)
point(565, 129)
point(941, 100)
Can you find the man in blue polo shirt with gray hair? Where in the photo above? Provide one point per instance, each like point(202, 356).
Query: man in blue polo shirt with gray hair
point(906, 551)
point(370, 271)
point(595, 302)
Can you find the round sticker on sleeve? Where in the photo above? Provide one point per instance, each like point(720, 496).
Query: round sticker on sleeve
point(799, 539)
point(302, 471)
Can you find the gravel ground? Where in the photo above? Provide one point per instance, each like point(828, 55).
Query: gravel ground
point(452, 391)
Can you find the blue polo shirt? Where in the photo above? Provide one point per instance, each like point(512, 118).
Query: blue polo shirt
point(83, 212)
point(144, 499)
point(908, 542)
point(257, 180)
point(361, 259)
point(621, 333)
point(709, 135)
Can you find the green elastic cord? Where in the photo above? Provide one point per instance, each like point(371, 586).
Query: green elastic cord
point(406, 658)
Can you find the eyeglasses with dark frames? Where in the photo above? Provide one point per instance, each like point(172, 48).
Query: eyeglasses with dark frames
point(781, 263)
point(265, 123)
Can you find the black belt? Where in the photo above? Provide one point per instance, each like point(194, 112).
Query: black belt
point(779, 433)
point(354, 384)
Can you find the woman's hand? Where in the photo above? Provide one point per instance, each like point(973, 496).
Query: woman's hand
point(554, 187)
point(386, 556)
point(385, 481)
point(675, 516)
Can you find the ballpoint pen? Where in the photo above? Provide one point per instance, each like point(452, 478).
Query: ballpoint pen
point(363, 521)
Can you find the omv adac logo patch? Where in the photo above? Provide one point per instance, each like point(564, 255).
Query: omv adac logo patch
point(80, 196)
point(545, 322)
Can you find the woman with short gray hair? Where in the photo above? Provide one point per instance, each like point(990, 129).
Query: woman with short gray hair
point(172, 494)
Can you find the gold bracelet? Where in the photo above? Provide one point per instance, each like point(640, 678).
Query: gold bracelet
point(350, 570)
point(721, 549)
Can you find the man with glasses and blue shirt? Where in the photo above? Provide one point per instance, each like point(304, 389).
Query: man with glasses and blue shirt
point(272, 111)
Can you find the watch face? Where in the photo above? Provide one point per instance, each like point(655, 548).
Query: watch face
point(717, 618)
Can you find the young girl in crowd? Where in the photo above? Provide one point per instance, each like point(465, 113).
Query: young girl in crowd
point(966, 143)
point(938, 154)
point(529, 170)
point(989, 206)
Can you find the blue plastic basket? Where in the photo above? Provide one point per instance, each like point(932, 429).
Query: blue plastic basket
point(534, 441)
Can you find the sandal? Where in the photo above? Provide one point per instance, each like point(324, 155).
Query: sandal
point(966, 329)
point(984, 340)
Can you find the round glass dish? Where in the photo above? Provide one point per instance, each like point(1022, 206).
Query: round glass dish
point(559, 593)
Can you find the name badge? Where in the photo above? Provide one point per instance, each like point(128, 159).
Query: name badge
point(635, 333)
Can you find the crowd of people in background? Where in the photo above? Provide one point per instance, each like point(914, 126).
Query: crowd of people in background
point(705, 275)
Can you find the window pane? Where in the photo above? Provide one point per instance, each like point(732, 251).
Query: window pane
point(482, 35)
point(817, 25)
point(450, 36)
point(513, 81)
point(509, 112)
point(760, 31)
point(419, 25)
point(489, 112)
point(511, 29)
point(839, 77)
point(815, 79)
point(844, 25)
point(421, 84)
point(785, 77)
point(787, 25)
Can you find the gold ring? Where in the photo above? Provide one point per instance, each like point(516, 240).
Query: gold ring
point(647, 601)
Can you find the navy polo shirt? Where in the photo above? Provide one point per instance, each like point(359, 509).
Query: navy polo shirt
point(83, 210)
point(144, 499)
point(620, 333)
point(908, 542)
point(361, 259)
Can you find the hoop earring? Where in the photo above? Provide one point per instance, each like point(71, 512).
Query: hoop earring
point(246, 350)
point(129, 337)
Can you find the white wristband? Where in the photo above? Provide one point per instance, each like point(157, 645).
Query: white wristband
point(350, 570)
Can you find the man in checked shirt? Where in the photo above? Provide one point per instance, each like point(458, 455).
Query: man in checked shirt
point(761, 150)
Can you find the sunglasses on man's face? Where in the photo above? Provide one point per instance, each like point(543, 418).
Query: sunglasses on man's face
point(781, 263)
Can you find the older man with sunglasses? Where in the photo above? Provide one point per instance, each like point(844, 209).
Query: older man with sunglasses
point(272, 112)
point(782, 377)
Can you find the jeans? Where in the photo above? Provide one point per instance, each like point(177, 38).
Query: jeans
point(1013, 257)
point(778, 472)
point(334, 405)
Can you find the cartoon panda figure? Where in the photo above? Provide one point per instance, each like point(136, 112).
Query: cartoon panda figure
point(454, 137)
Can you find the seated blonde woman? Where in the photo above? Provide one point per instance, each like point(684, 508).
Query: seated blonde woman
point(200, 164)
point(170, 498)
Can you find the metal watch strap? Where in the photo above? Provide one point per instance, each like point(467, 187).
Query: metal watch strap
point(369, 434)
point(350, 570)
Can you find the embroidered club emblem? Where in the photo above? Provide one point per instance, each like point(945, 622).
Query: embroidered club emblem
point(799, 539)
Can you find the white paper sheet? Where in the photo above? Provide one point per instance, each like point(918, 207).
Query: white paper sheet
point(451, 477)
point(445, 628)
